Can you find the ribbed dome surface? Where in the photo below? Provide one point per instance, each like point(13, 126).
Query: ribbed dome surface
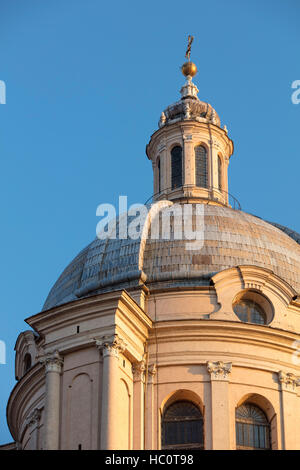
point(231, 238)
point(197, 110)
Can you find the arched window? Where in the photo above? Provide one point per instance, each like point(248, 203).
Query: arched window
point(252, 428)
point(27, 362)
point(250, 312)
point(158, 173)
point(176, 163)
point(182, 426)
point(201, 166)
point(219, 173)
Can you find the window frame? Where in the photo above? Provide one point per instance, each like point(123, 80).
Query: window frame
point(179, 176)
point(158, 174)
point(250, 304)
point(220, 173)
point(199, 419)
point(248, 424)
point(201, 176)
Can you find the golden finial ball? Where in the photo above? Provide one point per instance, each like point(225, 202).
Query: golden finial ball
point(189, 69)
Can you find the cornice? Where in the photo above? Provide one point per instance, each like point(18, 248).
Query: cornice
point(25, 338)
point(239, 360)
point(127, 300)
point(237, 280)
point(116, 313)
point(180, 125)
point(223, 330)
point(92, 307)
point(266, 277)
point(131, 320)
point(181, 290)
point(73, 309)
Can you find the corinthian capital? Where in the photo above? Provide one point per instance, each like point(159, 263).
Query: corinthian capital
point(111, 345)
point(138, 371)
point(219, 370)
point(288, 380)
point(53, 361)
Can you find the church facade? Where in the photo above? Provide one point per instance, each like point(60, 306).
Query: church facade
point(164, 342)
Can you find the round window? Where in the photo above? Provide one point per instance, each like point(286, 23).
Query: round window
point(249, 311)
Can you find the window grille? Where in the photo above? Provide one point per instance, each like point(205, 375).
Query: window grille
point(252, 428)
point(158, 174)
point(201, 166)
point(219, 173)
point(249, 311)
point(176, 162)
point(182, 427)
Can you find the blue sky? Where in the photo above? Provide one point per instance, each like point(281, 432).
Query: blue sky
point(86, 82)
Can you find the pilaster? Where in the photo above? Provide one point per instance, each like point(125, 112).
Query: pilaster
point(220, 413)
point(138, 371)
point(110, 348)
point(188, 157)
point(288, 383)
point(53, 363)
point(150, 409)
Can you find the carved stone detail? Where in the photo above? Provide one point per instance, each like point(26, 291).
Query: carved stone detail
point(253, 285)
point(219, 370)
point(189, 89)
point(111, 345)
point(288, 380)
point(187, 111)
point(53, 361)
point(138, 371)
point(34, 417)
point(151, 373)
point(213, 117)
point(162, 120)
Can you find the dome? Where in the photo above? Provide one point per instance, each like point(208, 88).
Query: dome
point(190, 108)
point(231, 238)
